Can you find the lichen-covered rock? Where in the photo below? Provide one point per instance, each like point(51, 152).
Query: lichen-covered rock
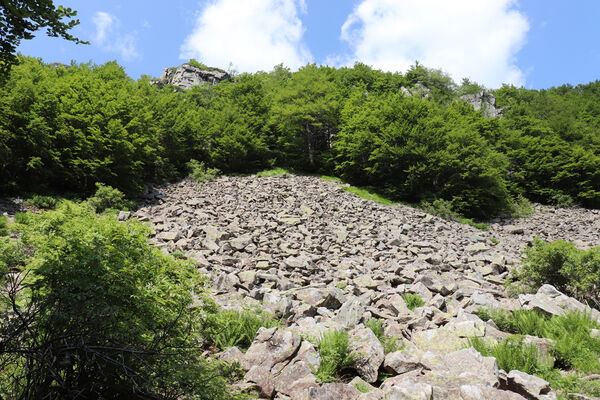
point(367, 353)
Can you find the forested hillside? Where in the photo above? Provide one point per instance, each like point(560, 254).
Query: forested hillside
point(408, 136)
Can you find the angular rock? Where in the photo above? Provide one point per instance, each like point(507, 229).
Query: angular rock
point(367, 353)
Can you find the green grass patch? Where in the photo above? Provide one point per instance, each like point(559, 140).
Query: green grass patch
point(511, 353)
point(334, 349)
point(412, 300)
point(444, 209)
point(369, 194)
point(494, 240)
point(389, 343)
point(273, 172)
point(235, 328)
point(574, 347)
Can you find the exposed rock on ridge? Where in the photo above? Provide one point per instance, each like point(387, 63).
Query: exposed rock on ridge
point(485, 101)
point(187, 76)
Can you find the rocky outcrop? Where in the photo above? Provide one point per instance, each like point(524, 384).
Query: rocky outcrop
point(484, 101)
point(187, 76)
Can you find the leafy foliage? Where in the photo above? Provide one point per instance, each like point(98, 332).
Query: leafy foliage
point(3, 225)
point(561, 264)
point(235, 328)
point(412, 300)
point(67, 128)
point(200, 173)
point(108, 197)
point(99, 313)
point(335, 355)
point(41, 201)
point(511, 353)
point(574, 347)
point(20, 18)
point(389, 343)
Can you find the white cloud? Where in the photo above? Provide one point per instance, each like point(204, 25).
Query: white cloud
point(104, 23)
point(109, 36)
point(252, 35)
point(467, 38)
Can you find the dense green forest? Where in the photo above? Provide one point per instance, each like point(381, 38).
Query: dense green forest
point(64, 129)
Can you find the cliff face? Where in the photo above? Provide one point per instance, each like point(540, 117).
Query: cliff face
point(483, 101)
point(187, 76)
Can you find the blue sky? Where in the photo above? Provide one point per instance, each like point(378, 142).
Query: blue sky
point(534, 43)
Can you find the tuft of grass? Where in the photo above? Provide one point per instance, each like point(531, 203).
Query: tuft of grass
point(40, 201)
point(574, 347)
point(412, 300)
point(235, 328)
point(334, 349)
point(511, 353)
point(494, 240)
point(521, 207)
point(273, 172)
point(389, 343)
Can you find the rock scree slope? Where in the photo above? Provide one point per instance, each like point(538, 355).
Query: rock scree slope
point(321, 258)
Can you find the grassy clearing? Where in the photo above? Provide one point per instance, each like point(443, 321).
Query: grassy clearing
point(235, 328)
point(389, 343)
point(367, 194)
point(334, 349)
point(412, 300)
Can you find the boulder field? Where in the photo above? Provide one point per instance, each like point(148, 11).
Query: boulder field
point(320, 258)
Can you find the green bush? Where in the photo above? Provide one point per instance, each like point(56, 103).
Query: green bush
point(200, 173)
point(412, 300)
point(107, 197)
point(39, 201)
point(3, 226)
point(235, 328)
point(389, 343)
point(102, 314)
point(334, 349)
point(572, 271)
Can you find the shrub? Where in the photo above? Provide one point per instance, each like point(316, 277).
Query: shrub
point(335, 355)
point(39, 201)
point(107, 197)
point(3, 226)
point(235, 328)
point(200, 173)
point(572, 271)
point(102, 314)
point(413, 300)
point(389, 343)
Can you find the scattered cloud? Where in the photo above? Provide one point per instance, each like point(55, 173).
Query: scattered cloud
point(466, 38)
point(110, 37)
point(251, 35)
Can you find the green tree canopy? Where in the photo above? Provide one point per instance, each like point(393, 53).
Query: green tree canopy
point(19, 19)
